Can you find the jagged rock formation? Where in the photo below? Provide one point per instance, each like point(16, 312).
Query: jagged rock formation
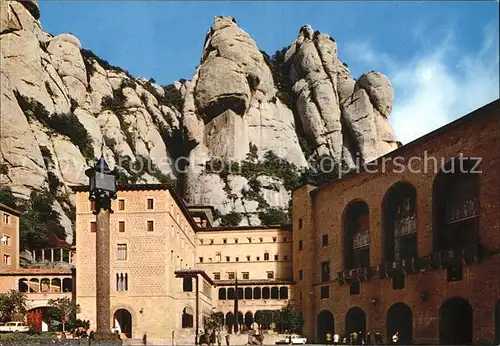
point(62, 106)
point(341, 116)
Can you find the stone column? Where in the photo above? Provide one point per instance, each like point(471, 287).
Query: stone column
point(34, 256)
point(43, 255)
point(103, 284)
point(62, 253)
point(52, 255)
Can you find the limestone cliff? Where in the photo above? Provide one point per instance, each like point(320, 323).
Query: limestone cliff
point(62, 106)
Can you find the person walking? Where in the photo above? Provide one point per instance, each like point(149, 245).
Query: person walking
point(328, 338)
point(369, 339)
point(227, 339)
point(336, 339)
point(144, 339)
point(395, 338)
point(219, 339)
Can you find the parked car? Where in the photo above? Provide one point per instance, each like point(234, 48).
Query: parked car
point(14, 327)
point(293, 339)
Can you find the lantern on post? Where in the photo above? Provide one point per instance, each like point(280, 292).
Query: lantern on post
point(102, 189)
point(102, 185)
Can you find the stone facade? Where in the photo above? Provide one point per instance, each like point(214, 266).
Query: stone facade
point(9, 244)
point(148, 292)
point(422, 300)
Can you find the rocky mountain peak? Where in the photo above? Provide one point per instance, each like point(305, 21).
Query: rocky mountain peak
point(244, 125)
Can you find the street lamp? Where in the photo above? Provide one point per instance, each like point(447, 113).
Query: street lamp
point(102, 189)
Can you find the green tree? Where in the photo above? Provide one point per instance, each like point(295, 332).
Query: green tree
point(289, 319)
point(7, 197)
point(215, 321)
point(64, 310)
point(273, 216)
point(11, 303)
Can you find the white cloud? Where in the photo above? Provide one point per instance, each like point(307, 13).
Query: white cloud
point(431, 89)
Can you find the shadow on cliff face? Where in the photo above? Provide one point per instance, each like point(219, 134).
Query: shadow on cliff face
point(222, 104)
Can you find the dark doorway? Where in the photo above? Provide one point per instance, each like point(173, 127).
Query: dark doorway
point(248, 319)
point(325, 325)
point(497, 324)
point(355, 321)
point(356, 236)
point(400, 319)
point(123, 321)
point(455, 322)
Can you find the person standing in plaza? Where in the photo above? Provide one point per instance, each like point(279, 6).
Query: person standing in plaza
point(336, 339)
point(328, 338)
point(227, 339)
point(219, 339)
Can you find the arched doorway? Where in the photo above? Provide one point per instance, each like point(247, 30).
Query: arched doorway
point(355, 321)
point(400, 319)
point(497, 324)
point(39, 319)
point(248, 319)
point(455, 322)
point(123, 322)
point(325, 325)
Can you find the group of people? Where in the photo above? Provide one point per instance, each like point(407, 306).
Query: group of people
point(357, 338)
point(210, 339)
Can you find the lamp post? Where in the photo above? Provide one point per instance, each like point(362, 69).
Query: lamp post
point(102, 188)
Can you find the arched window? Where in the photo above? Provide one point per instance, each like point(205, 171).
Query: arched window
point(45, 285)
point(23, 285)
point(356, 235)
point(400, 222)
point(283, 292)
point(230, 293)
point(34, 286)
point(257, 293)
point(230, 319)
point(187, 317)
point(248, 293)
point(55, 285)
point(456, 205)
point(266, 294)
point(68, 284)
point(274, 293)
point(222, 294)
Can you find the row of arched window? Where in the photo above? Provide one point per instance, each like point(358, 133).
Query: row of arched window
point(455, 209)
point(45, 285)
point(254, 293)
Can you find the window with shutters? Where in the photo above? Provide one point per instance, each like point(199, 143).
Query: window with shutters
point(93, 227)
point(121, 226)
point(121, 252)
point(150, 204)
point(150, 226)
point(121, 204)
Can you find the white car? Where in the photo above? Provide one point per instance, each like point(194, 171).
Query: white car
point(293, 339)
point(14, 327)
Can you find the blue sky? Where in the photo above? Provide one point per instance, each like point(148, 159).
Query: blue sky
point(442, 57)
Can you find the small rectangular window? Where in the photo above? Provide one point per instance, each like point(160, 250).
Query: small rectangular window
point(150, 226)
point(237, 259)
point(92, 205)
point(301, 274)
point(230, 275)
point(270, 275)
point(266, 257)
point(325, 271)
point(201, 240)
point(354, 289)
point(276, 257)
point(6, 218)
point(121, 226)
point(150, 203)
point(261, 240)
point(93, 227)
point(274, 239)
point(6, 240)
point(257, 258)
point(228, 258)
point(121, 282)
point(300, 245)
point(324, 240)
point(211, 241)
point(398, 282)
point(6, 259)
point(121, 204)
point(300, 223)
point(224, 240)
point(325, 292)
point(249, 239)
point(248, 258)
point(201, 259)
point(236, 240)
point(454, 273)
point(216, 276)
point(187, 284)
point(121, 252)
point(245, 275)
